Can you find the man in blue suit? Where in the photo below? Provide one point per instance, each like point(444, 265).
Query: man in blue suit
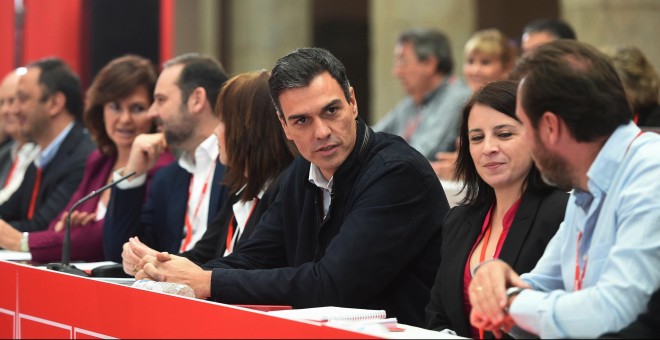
point(49, 110)
point(184, 196)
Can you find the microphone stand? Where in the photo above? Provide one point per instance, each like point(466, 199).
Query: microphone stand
point(65, 267)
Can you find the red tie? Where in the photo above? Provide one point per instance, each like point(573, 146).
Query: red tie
point(35, 193)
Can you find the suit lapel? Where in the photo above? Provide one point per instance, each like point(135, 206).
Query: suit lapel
point(472, 228)
point(54, 167)
point(520, 228)
point(218, 192)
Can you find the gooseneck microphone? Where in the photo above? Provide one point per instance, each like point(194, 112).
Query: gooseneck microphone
point(66, 245)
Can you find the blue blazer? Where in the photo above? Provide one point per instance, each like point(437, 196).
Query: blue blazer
point(159, 221)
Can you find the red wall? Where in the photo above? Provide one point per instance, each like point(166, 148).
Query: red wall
point(6, 37)
point(53, 28)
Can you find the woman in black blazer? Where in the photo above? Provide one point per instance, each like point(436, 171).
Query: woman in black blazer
point(253, 148)
point(507, 213)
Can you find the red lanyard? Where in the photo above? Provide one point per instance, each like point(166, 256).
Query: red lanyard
point(579, 276)
point(189, 227)
point(35, 193)
point(232, 227)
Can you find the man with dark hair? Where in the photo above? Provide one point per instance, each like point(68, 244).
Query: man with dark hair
point(428, 118)
point(599, 271)
point(542, 31)
point(184, 196)
point(357, 222)
point(48, 103)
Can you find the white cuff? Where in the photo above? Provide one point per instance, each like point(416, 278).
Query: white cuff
point(24, 246)
point(129, 183)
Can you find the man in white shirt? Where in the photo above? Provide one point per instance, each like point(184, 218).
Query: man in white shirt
point(185, 196)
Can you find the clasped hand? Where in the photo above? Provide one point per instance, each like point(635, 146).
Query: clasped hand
point(171, 268)
point(487, 293)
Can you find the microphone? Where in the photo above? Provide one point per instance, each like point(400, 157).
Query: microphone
point(65, 267)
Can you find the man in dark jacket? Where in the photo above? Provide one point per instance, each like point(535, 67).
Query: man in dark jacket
point(49, 109)
point(357, 221)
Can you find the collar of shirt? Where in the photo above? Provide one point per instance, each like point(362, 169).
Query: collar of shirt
point(24, 151)
point(316, 178)
point(429, 96)
point(50, 151)
point(242, 209)
point(205, 153)
point(609, 158)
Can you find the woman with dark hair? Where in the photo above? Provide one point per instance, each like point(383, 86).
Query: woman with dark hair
point(115, 113)
point(508, 212)
point(254, 150)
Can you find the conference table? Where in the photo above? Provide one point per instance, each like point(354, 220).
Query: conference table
point(39, 303)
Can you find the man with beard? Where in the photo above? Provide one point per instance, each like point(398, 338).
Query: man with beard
point(184, 196)
point(600, 270)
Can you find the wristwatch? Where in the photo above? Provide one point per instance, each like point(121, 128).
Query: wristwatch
point(511, 292)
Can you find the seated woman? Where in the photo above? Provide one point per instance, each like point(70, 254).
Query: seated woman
point(641, 83)
point(253, 148)
point(488, 57)
point(507, 213)
point(115, 113)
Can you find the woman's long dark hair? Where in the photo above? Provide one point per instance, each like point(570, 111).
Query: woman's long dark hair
point(254, 139)
point(501, 96)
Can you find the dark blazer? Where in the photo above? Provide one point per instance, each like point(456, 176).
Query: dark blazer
point(377, 247)
point(646, 326)
point(214, 242)
point(5, 160)
point(535, 223)
point(60, 179)
point(159, 221)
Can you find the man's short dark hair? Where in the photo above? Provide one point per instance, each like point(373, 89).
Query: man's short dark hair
point(577, 83)
point(298, 68)
point(199, 71)
point(559, 28)
point(430, 43)
point(57, 76)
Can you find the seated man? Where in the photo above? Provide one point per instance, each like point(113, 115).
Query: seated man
point(539, 32)
point(184, 196)
point(599, 271)
point(428, 118)
point(357, 222)
point(49, 111)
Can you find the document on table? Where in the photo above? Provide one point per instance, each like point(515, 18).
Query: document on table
point(9, 255)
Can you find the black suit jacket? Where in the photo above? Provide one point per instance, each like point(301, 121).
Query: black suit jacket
point(60, 179)
point(535, 223)
point(647, 325)
point(159, 221)
point(214, 242)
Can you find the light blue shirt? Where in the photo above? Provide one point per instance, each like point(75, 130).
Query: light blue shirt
point(620, 221)
point(50, 151)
